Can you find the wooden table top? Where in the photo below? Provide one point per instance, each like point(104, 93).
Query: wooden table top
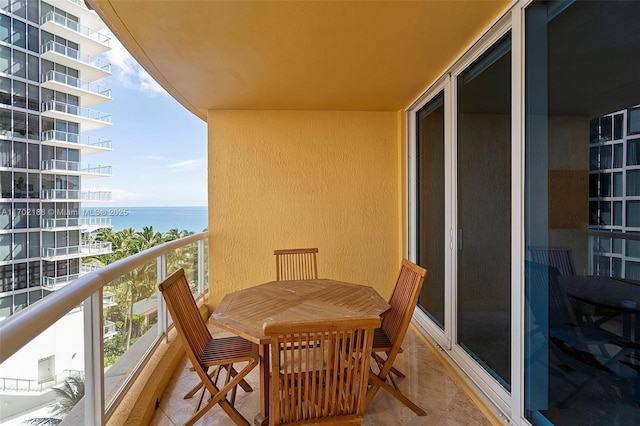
point(245, 311)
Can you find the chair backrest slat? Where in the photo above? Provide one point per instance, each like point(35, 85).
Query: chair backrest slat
point(296, 264)
point(319, 368)
point(395, 322)
point(184, 311)
point(558, 257)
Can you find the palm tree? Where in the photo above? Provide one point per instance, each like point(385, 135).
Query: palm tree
point(69, 394)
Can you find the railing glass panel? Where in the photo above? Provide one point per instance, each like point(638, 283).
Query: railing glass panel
point(53, 359)
point(136, 309)
point(76, 110)
point(55, 135)
point(76, 82)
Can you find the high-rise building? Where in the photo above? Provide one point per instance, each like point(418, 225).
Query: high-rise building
point(50, 66)
point(614, 194)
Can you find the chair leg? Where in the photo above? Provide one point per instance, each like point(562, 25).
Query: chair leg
point(379, 383)
point(243, 384)
point(218, 397)
point(380, 361)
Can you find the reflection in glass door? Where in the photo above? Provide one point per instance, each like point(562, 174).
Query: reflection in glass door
point(430, 223)
point(484, 211)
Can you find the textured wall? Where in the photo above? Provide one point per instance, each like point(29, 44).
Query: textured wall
point(286, 179)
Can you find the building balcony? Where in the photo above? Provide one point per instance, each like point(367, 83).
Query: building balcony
point(93, 223)
point(108, 299)
point(85, 268)
point(87, 118)
point(75, 168)
point(90, 67)
point(86, 144)
point(92, 42)
point(89, 93)
point(73, 252)
point(56, 283)
point(78, 8)
point(75, 195)
point(109, 330)
point(61, 224)
point(95, 196)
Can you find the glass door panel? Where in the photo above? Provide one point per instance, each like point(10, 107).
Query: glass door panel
point(582, 213)
point(484, 211)
point(430, 241)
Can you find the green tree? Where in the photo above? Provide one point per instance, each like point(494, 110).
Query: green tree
point(140, 283)
point(68, 395)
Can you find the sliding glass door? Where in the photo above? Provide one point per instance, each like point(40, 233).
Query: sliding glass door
point(483, 170)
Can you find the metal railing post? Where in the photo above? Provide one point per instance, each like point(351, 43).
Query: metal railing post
point(163, 320)
point(93, 360)
point(200, 267)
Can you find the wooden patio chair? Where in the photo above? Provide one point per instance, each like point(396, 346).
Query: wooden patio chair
point(296, 264)
point(319, 370)
point(388, 338)
point(204, 351)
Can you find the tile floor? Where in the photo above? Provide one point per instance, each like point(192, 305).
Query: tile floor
point(427, 383)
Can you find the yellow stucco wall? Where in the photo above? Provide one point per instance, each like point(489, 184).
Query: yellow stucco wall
point(287, 179)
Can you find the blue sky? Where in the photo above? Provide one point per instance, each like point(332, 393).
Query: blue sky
point(159, 155)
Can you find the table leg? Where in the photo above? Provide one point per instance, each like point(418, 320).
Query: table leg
point(262, 419)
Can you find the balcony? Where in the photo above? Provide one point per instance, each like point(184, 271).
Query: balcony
point(87, 118)
point(75, 168)
point(430, 383)
point(109, 330)
point(95, 196)
point(91, 68)
point(83, 250)
point(61, 224)
point(93, 223)
point(108, 299)
point(89, 93)
point(61, 194)
point(56, 283)
point(78, 8)
point(86, 144)
point(93, 42)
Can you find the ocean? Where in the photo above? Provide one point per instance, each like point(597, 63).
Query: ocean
point(161, 218)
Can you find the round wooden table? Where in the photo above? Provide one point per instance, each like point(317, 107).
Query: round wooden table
point(244, 312)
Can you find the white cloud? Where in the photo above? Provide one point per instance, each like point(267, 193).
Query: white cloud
point(186, 165)
point(149, 157)
point(128, 71)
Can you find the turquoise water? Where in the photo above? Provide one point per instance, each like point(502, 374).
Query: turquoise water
point(161, 218)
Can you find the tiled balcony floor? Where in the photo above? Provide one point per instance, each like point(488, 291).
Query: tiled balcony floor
point(427, 383)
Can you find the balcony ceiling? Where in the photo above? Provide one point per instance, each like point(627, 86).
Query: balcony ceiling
point(299, 55)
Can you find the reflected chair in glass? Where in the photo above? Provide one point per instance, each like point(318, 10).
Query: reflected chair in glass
point(388, 338)
point(204, 351)
point(558, 257)
point(319, 370)
point(576, 346)
point(296, 264)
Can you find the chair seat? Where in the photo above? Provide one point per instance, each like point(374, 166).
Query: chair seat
point(229, 349)
point(381, 342)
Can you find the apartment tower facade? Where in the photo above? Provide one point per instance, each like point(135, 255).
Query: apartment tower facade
point(50, 66)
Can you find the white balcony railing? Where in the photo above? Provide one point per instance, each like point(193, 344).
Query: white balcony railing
point(74, 166)
point(96, 222)
point(108, 299)
point(77, 111)
point(85, 249)
point(74, 54)
point(82, 140)
point(60, 194)
point(109, 330)
point(56, 283)
point(23, 327)
point(68, 222)
point(85, 268)
point(95, 196)
point(76, 82)
point(76, 27)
